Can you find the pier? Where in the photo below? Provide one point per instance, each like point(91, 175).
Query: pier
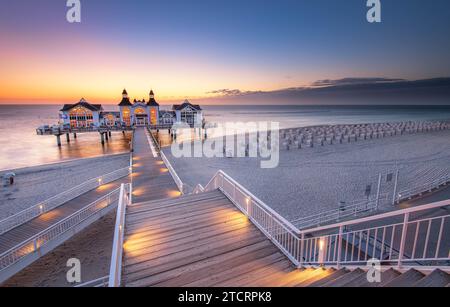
point(105, 132)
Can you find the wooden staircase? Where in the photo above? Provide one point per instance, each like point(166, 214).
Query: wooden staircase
point(203, 240)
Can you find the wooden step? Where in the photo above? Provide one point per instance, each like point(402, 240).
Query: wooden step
point(192, 260)
point(318, 275)
point(192, 210)
point(174, 206)
point(226, 213)
point(437, 278)
point(406, 279)
point(333, 276)
point(168, 202)
point(344, 279)
point(385, 277)
point(249, 279)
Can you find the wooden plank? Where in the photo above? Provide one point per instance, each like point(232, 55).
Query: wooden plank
point(196, 245)
point(224, 213)
point(181, 228)
point(168, 269)
point(239, 270)
point(169, 236)
point(249, 278)
point(182, 214)
point(193, 208)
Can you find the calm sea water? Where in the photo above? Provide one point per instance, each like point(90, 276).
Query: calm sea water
point(21, 147)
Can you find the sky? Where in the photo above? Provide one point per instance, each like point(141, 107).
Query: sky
point(197, 49)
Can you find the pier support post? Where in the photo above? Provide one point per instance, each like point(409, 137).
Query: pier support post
point(74, 135)
point(102, 137)
point(58, 140)
point(67, 138)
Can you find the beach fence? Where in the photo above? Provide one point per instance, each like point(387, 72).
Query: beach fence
point(60, 199)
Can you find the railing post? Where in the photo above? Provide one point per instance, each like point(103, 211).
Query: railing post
point(403, 239)
point(339, 247)
point(377, 201)
point(394, 196)
point(302, 246)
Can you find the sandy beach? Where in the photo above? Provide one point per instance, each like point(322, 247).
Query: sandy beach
point(35, 184)
point(313, 180)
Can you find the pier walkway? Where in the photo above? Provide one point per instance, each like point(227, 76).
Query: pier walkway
point(151, 179)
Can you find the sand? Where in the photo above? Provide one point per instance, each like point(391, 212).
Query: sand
point(313, 180)
point(92, 246)
point(35, 184)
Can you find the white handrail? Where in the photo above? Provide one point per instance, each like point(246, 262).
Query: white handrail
point(172, 171)
point(336, 214)
point(115, 272)
point(279, 230)
point(396, 213)
point(413, 240)
point(60, 199)
point(34, 243)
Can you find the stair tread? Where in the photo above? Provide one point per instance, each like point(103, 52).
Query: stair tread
point(332, 276)
point(437, 278)
point(406, 279)
point(344, 279)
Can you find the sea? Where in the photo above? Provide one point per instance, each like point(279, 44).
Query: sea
point(21, 147)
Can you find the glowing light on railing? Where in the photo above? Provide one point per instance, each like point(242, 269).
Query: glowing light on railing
point(321, 244)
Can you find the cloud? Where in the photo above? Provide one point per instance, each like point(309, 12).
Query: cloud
point(351, 91)
point(228, 92)
point(347, 81)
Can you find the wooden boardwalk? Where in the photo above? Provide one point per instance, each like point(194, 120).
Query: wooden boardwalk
point(151, 179)
point(203, 240)
point(25, 231)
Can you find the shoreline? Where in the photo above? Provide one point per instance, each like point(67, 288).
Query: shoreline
point(62, 162)
point(35, 184)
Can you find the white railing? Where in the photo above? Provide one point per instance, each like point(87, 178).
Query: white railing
point(115, 272)
point(280, 231)
point(394, 238)
point(198, 189)
point(172, 171)
point(96, 283)
point(36, 242)
point(336, 214)
point(60, 199)
point(421, 189)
